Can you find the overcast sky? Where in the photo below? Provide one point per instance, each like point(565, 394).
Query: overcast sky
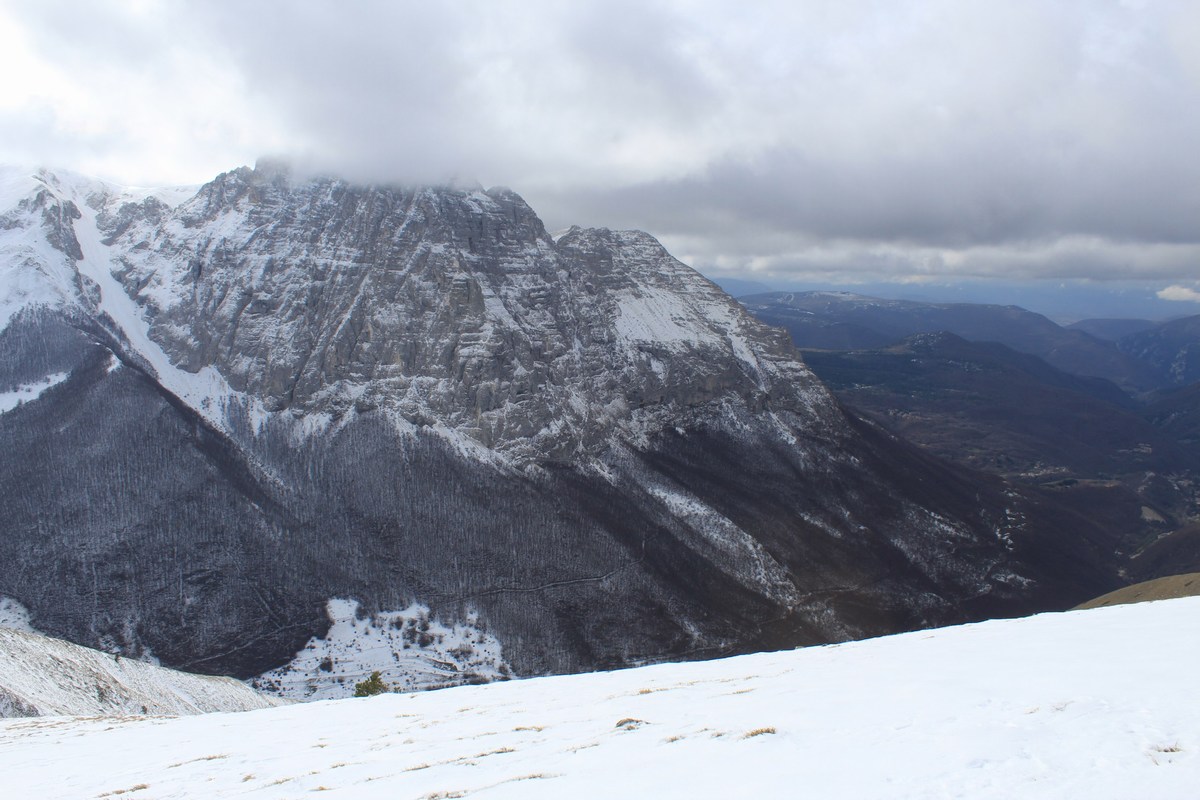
point(826, 141)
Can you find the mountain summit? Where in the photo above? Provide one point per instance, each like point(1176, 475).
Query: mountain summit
point(306, 430)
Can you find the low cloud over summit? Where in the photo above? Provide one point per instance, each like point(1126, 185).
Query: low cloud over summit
point(819, 141)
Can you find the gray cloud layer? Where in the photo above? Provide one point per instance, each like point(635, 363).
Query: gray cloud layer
point(852, 139)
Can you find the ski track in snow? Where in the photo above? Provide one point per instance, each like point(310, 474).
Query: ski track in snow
point(1098, 704)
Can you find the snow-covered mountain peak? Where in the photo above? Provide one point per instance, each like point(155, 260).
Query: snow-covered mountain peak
point(37, 243)
point(41, 211)
point(442, 307)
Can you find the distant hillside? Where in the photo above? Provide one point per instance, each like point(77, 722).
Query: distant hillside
point(1127, 469)
point(41, 676)
point(1171, 553)
point(736, 287)
point(1167, 588)
point(844, 321)
point(1171, 348)
point(1112, 329)
point(992, 408)
point(1177, 411)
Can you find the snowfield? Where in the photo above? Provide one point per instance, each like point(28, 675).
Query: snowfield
point(1091, 704)
point(41, 676)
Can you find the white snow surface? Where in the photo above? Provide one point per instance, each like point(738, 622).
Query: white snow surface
point(29, 391)
point(206, 391)
point(32, 272)
point(14, 615)
point(409, 648)
point(43, 676)
point(1094, 704)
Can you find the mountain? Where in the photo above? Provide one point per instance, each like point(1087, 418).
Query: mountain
point(1171, 348)
point(991, 408)
point(40, 676)
point(844, 321)
point(1111, 329)
point(1130, 469)
point(1098, 703)
point(302, 430)
point(1177, 412)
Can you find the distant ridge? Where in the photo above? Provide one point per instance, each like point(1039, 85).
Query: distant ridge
point(846, 321)
point(1112, 329)
point(1168, 588)
point(42, 676)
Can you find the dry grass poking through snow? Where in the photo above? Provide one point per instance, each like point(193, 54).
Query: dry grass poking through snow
point(757, 732)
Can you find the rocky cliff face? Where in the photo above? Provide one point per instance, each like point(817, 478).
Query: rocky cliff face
point(442, 308)
point(273, 393)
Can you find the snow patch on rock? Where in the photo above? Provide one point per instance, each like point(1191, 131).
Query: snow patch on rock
point(749, 561)
point(206, 391)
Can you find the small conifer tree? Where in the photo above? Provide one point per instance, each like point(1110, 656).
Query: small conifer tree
point(372, 685)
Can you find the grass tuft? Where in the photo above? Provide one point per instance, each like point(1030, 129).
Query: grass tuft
point(758, 732)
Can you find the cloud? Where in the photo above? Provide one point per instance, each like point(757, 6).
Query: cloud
point(886, 138)
point(1176, 292)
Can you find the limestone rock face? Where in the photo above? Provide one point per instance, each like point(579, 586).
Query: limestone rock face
point(235, 404)
point(443, 306)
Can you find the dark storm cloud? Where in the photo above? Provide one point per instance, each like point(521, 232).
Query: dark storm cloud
point(995, 194)
point(822, 138)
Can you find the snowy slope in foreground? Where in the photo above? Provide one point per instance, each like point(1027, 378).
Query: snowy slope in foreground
point(1095, 704)
point(41, 676)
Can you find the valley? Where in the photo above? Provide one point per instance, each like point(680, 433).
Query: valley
point(1087, 414)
